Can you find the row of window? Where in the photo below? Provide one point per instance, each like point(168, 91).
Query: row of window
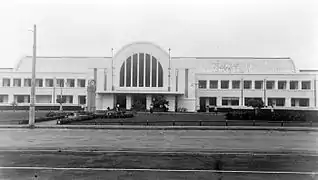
point(6, 82)
point(234, 101)
point(259, 84)
point(42, 99)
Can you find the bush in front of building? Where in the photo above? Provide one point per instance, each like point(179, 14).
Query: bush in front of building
point(268, 115)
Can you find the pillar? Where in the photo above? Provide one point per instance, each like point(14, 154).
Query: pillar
point(148, 101)
point(128, 101)
point(288, 102)
point(219, 101)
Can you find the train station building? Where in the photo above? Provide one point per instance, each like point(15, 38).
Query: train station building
point(140, 71)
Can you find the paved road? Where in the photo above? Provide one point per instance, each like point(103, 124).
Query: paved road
point(154, 140)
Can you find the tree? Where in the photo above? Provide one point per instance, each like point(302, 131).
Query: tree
point(61, 100)
point(160, 102)
point(257, 104)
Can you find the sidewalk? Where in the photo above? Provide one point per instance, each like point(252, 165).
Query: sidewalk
point(52, 125)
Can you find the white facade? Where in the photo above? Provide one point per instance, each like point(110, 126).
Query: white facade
point(195, 81)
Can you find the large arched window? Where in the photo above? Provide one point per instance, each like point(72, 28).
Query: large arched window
point(141, 70)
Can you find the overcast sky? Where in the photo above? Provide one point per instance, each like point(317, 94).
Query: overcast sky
point(253, 28)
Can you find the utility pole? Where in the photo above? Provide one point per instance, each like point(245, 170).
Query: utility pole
point(32, 103)
point(112, 50)
point(169, 71)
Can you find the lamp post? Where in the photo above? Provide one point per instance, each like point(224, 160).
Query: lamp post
point(32, 99)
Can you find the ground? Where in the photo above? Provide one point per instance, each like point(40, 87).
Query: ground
point(156, 154)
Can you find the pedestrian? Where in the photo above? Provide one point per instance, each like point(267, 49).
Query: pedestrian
point(117, 107)
point(151, 108)
point(215, 110)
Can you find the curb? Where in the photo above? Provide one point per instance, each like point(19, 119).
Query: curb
point(111, 127)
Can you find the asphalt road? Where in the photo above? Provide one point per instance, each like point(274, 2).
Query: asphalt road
point(292, 156)
point(159, 140)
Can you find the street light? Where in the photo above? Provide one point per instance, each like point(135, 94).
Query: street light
point(32, 98)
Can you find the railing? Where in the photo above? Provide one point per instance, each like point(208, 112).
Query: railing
point(206, 123)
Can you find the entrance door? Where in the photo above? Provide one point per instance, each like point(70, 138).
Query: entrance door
point(202, 104)
point(121, 100)
point(139, 102)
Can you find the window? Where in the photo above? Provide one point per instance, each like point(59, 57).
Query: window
point(142, 70)
point(39, 82)
point(4, 98)
point(270, 84)
point(27, 82)
point(224, 84)
point(247, 84)
point(6, 82)
point(212, 101)
point(17, 82)
point(293, 85)
point(305, 85)
point(59, 82)
point(302, 102)
point(48, 82)
point(213, 84)
point(246, 100)
point(70, 83)
point(81, 99)
point(236, 84)
point(202, 84)
point(281, 84)
point(258, 84)
point(81, 83)
point(22, 98)
point(230, 101)
point(134, 66)
point(276, 101)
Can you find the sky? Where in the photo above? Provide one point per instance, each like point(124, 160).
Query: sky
point(218, 28)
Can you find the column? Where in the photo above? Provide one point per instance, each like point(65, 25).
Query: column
point(287, 85)
point(287, 102)
point(148, 101)
point(207, 103)
point(128, 102)
point(219, 101)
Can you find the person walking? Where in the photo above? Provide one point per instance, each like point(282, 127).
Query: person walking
point(151, 108)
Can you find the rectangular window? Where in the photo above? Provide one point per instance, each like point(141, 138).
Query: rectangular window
point(154, 72)
point(27, 82)
point(230, 101)
point(213, 84)
point(70, 83)
point(247, 84)
point(305, 85)
point(212, 101)
point(22, 98)
point(147, 70)
point(17, 82)
point(128, 72)
point(293, 85)
point(302, 102)
point(4, 98)
point(141, 70)
point(6, 82)
point(224, 84)
point(39, 82)
point(270, 84)
point(81, 83)
point(134, 64)
point(258, 84)
point(276, 101)
point(202, 84)
point(236, 84)
point(282, 84)
point(81, 100)
point(248, 99)
point(59, 82)
point(48, 82)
